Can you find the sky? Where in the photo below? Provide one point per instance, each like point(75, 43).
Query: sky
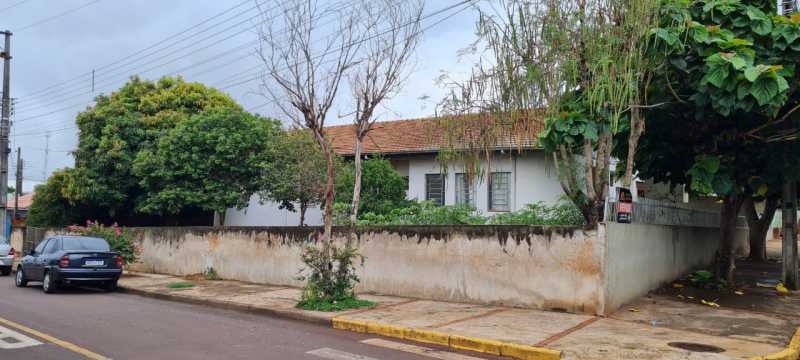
point(57, 44)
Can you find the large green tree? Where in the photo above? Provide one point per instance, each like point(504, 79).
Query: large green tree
point(50, 208)
point(296, 176)
point(102, 185)
point(382, 187)
point(210, 161)
point(728, 125)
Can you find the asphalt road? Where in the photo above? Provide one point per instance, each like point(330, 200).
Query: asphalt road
point(86, 323)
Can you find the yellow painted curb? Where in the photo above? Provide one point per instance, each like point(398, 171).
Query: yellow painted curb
point(494, 347)
point(475, 344)
point(427, 336)
point(792, 352)
point(349, 325)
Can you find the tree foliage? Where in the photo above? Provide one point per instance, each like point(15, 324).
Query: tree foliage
point(382, 188)
point(102, 185)
point(296, 176)
point(210, 161)
point(50, 208)
point(730, 93)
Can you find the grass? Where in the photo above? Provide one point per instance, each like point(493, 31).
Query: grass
point(180, 285)
point(323, 305)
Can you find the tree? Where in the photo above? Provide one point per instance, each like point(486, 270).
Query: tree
point(304, 65)
point(730, 93)
point(50, 208)
point(580, 64)
point(211, 161)
point(383, 188)
point(117, 128)
point(296, 176)
point(392, 31)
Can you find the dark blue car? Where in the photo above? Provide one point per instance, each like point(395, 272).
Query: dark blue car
point(65, 260)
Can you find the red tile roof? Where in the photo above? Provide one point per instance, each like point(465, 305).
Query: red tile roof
point(24, 201)
point(433, 134)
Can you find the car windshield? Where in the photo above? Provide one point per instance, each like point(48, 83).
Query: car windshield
point(84, 243)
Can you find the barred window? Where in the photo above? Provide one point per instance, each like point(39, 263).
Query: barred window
point(465, 191)
point(499, 191)
point(434, 188)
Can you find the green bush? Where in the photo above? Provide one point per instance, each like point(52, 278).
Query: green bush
point(330, 283)
point(425, 213)
point(382, 187)
point(118, 238)
point(563, 213)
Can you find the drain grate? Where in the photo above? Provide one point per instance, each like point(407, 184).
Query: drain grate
point(695, 347)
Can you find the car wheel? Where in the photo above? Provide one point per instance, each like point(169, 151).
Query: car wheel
point(20, 279)
point(110, 286)
point(48, 285)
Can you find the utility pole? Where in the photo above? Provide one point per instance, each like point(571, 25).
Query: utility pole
point(46, 155)
point(5, 126)
point(789, 211)
point(18, 186)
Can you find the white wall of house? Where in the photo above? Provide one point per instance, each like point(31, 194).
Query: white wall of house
point(532, 179)
point(269, 214)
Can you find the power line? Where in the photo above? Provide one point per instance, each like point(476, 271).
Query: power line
point(134, 54)
point(435, 13)
point(67, 12)
point(13, 5)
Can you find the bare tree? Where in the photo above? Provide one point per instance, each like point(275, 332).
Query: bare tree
point(392, 31)
point(304, 65)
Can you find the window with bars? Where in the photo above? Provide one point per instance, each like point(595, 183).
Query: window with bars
point(499, 191)
point(434, 188)
point(787, 7)
point(465, 191)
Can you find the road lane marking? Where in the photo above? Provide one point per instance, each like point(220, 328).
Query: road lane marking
point(64, 344)
point(10, 339)
point(328, 353)
point(419, 350)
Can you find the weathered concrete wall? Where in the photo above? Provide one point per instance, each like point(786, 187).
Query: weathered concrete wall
point(643, 257)
point(538, 267)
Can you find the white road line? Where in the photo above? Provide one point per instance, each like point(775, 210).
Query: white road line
point(10, 339)
point(334, 354)
point(419, 350)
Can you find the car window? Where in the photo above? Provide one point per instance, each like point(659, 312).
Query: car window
point(51, 246)
point(41, 246)
point(84, 243)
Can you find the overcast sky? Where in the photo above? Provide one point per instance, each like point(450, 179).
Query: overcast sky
point(57, 44)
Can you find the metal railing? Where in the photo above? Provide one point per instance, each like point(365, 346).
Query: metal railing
point(660, 212)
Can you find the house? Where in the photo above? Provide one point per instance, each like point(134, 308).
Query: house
point(23, 204)
point(516, 173)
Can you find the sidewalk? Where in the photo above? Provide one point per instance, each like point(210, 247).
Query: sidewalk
point(644, 333)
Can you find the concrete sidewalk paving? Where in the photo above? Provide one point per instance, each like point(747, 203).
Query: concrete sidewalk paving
point(644, 334)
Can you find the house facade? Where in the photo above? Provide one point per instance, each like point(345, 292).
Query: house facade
point(512, 177)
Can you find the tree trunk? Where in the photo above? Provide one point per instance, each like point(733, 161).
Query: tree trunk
point(790, 275)
point(219, 218)
point(759, 226)
point(303, 207)
point(357, 183)
point(726, 261)
point(637, 128)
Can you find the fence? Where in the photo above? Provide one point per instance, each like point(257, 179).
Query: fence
point(660, 212)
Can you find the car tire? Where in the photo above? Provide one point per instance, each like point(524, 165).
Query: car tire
point(20, 279)
point(110, 286)
point(49, 286)
point(6, 271)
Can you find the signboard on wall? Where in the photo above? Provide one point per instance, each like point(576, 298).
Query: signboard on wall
point(624, 205)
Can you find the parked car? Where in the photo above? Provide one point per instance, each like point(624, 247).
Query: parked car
point(7, 254)
point(71, 260)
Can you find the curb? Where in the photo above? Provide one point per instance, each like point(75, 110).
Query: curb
point(792, 352)
point(225, 305)
point(494, 347)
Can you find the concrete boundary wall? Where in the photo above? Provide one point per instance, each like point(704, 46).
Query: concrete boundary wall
point(565, 268)
point(643, 257)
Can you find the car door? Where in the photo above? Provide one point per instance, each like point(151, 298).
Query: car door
point(32, 265)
